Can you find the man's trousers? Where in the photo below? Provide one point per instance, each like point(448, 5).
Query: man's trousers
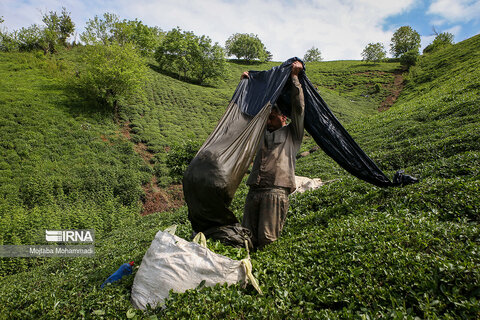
point(264, 214)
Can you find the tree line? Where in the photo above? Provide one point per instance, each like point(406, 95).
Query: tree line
point(405, 45)
point(113, 51)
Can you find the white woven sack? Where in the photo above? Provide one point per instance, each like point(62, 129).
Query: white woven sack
point(174, 263)
point(304, 184)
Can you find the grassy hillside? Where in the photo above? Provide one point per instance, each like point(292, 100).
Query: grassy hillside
point(66, 164)
point(348, 250)
point(62, 163)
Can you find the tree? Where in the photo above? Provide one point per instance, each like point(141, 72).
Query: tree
point(54, 34)
point(189, 56)
point(374, 52)
point(209, 60)
point(110, 29)
point(269, 56)
point(404, 40)
point(57, 29)
point(246, 46)
point(100, 30)
point(111, 72)
point(31, 38)
point(7, 41)
point(312, 54)
point(146, 39)
point(66, 27)
point(441, 41)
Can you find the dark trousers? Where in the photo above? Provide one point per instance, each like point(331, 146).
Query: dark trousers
point(264, 214)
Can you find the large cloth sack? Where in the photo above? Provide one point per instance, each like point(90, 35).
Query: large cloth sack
point(172, 263)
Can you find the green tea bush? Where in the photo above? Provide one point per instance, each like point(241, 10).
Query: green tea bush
point(57, 170)
point(180, 156)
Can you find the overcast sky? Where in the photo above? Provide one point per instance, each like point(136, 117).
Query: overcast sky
point(339, 28)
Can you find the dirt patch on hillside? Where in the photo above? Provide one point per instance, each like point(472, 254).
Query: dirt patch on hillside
point(396, 89)
point(159, 199)
point(126, 130)
point(156, 199)
point(142, 150)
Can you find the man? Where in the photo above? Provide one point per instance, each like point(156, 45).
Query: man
point(273, 174)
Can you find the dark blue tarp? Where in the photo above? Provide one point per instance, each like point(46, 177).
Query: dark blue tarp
point(273, 86)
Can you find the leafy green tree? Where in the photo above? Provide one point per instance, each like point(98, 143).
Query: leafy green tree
point(31, 38)
point(269, 56)
point(111, 72)
point(209, 60)
point(145, 38)
point(246, 46)
point(66, 27)
point(7, 41)
point(189, 56)
point(111, 29)
point(100, 30)
point(403, 40)
point(57, 29)
point(374, 52)
point(441, 41)
point(313, 54)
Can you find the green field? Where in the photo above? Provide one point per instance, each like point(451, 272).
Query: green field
point(349, 250)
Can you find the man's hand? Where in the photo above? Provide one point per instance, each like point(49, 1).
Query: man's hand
point(297, 66)
point(245, 75)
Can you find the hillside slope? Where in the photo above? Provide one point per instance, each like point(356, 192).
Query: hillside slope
point(349, 249)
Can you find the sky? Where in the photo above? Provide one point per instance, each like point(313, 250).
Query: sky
point(340, 29)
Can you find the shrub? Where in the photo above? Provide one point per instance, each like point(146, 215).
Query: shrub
point(409, 58)
point(111, 72)
point(180, 157)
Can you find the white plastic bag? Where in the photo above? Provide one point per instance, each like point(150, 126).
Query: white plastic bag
point(172, 263)
point(305, 184)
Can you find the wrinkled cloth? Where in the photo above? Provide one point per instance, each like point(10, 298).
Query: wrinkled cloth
point(213, 176)
point(323, 126)
point(172, 263)
point(274, 163)
point(265, 213)
point(305, 184)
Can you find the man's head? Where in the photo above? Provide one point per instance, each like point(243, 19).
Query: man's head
point(276, 119)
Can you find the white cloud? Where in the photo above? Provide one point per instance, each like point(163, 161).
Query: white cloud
point(339, 28)
point(456, 10)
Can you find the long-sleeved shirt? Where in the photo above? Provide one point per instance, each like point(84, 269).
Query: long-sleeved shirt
point(274, 164)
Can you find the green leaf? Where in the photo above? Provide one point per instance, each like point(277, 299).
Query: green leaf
point(131, 313)
point(99, 312)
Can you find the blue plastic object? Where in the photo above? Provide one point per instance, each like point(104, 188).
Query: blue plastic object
point(124, 270)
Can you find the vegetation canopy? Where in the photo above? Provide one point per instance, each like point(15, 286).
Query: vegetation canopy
point(404, 39)
point(247, 46)
point(374, 52)
point(190, 56)
point(312, 54)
